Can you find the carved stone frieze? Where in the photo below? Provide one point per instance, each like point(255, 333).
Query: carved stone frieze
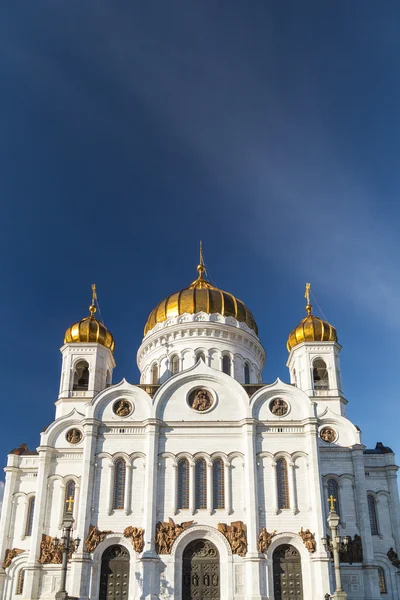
point(308, 540)
point(166, 534)
point(236, 534)
point(49, 554)
point(265, 539)
point(94, 537)
point(135, 534)
point(10, 554)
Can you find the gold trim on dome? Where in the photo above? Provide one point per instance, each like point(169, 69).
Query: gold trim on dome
point(311, 329)
point(201, 296)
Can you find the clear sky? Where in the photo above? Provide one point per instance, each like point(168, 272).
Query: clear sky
point(130, 130)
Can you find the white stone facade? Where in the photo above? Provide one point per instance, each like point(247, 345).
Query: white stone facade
point(240, 429)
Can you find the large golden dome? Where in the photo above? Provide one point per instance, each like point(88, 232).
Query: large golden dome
point(311, 329)
point(201, 296)
point(90, 329)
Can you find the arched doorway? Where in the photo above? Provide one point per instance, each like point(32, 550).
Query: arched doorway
point(287, 573)
point(114, 578)
point(200, 572)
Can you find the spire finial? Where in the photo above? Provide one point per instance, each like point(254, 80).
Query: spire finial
point(307, 297)
point(200, 266)
point(92, 307)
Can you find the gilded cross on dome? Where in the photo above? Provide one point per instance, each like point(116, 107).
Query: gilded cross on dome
point(307, 297)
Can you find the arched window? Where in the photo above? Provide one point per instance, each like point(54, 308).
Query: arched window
point(200, 356)
point(282, 483)
point(246, 373)
point(226, 364)
point(69, 494)
point(20, 582)
point(183, 483)
point(81, 376)
point(119, 484)
point(333, 489)
point(175, 364)
point(372, 515)
point(201, 484)
point(218, 484)
point(29, 516)
point(320, 375)
point(154, 374)
point(382, 581)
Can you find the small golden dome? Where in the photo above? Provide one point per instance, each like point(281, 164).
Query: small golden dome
point(201, 296)
point(90, 329)
point(311, 329)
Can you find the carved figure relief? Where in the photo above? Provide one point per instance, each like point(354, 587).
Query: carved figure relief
point(278, 407)
point(94, 538)
point(200, 400)
point(353, 553)
point(122, 408)
point(235, 533)
point(265, 539)
point(166, 534)
point(74, 436)
point(328, 434)
point(135, 534)
point(49, 554)
point(308, 540)
point(393, 557)
point(10, 554)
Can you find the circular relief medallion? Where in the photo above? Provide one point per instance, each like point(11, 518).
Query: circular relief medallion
point(74, 436)
point(327, 434)
point(200, 400)
point(278, 407)
point(122, 408)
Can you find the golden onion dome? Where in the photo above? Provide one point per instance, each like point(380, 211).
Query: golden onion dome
point(90, 329)
point(311, 329)
point(201, 296)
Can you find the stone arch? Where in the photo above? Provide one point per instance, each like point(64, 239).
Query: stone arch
point(295, 540)
point(112, 539)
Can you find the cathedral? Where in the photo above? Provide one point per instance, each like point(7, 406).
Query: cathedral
point(200, 482)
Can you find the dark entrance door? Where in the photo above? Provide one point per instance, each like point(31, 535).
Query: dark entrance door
point(114, 577)
point(287, 573)
point(200, 574)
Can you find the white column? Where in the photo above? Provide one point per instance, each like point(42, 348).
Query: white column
point(111, 468)
point(9, 490)
point(192, 491)
point(128, 490)
point(228, 488)
point(275, 505)
point(394, 504)
point(174, 488)
point(61, 507)
point(292, 488)
point(210, 488)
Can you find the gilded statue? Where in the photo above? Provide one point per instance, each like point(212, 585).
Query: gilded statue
point(122, 408)
point(393, 557)
point(308, 540)
point(235, 533)
point(202, 400)
point(10, 554)
point(48, 553)
point(135, 534)
point(328, 435)
point(166, 534)
point(74, 436)
point(94, 538)
point(265, 539)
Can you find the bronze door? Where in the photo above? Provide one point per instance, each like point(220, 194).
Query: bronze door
point(200, 573)
point(114, 577)
point(288, 583)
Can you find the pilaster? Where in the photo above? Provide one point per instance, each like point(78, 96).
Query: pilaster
point(11, 471)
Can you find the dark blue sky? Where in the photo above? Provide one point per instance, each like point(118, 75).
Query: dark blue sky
point(131, 130)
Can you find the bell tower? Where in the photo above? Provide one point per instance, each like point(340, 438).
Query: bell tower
point(87, 360)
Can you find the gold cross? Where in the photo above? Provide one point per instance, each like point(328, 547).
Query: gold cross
point(69, 502)
point(307, 293)
point(332, 501)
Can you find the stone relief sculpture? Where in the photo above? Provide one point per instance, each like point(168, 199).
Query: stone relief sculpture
point(308, 540)
point(328, 435)
point(278, 407)
point(352, 553)
point(201, 400)
point(94, 538)
point(166, 534)
point(74, 436)
point(235, 533)
point(393, 557)
point(122, 408)
point(48, 553)
point(10, 554)
point(265, 539)
point(135, 534)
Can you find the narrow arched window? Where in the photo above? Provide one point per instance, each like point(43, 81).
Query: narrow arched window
point(333, 490)
point(81, 376)
point(320, 375)
point(29, 516)
point(20, 582)
point(154, 374)
point(282, 483)
point(226, 364)
point(201, 484)
point(246, 373)
point(69, 497)
point(119, 484)
point(183, 483)
point(200, 356)
point(218, 484)
point(372, 515)
point(382, 581)
point(175, 364)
